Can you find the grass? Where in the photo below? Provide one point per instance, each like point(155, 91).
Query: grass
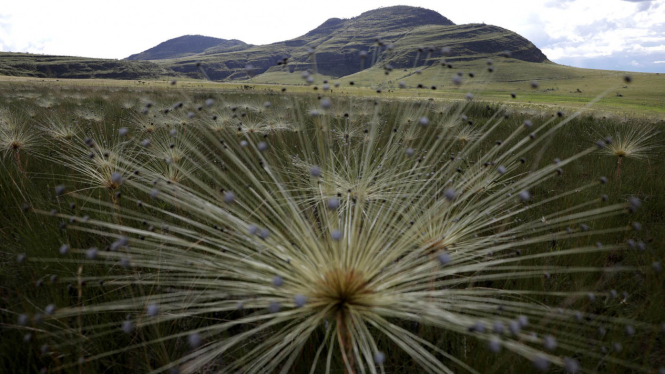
point(47, 66)
point(29, 287)
point(558, 86)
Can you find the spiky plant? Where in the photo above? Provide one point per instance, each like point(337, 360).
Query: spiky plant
point(16, 137)
point(466, 134)
point(95, 159)
point(168, 155)
point(91, 115)
point(59, 127)
point(630, 140)
point(286, 239)
point(146, 123)
point(221, 120)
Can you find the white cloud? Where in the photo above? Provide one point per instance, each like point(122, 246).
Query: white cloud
point(659, 62)
point(566, 30)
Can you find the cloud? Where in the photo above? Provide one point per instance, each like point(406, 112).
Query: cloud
point(596, 27)
point(620, 35)
point(560, 4)
point(620, 61)
point(602, 34)
point(644, 5)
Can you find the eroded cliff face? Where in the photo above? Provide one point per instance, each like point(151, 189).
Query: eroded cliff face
point(338, 43)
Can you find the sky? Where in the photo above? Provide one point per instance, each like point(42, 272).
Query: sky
point(601, 34)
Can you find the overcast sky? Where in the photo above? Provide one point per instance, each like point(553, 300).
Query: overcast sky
point(604, 34)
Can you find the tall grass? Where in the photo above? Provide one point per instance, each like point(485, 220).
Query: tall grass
point(297, 233)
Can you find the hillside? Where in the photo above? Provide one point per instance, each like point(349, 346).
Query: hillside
point(46, 66)
point(391, 36)
point(188, 45)
point(338, 43)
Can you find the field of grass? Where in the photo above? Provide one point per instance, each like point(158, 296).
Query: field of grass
point(558, 86)
point(78, 133)
point(557, 90)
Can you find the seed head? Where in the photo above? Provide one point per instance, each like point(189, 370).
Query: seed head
point(152, 310)
point(195, 340)
point(498, 327)
point(91, 253)
point(541, 363)
point(315, 171)
point(23, 319)
point(59, 189)
point(333, 203)
point(278, 281)
point(379, 358)
point(494, 345)
point(50, 309)
point(299, 301)
point(549, 342)
point(127, 327)
point(274, 307)
point(229, 197)
point(443, 257)
point(571, 365)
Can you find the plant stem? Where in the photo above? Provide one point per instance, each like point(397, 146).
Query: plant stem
point(345, 343)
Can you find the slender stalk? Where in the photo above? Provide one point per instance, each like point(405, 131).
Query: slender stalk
point(344, 339)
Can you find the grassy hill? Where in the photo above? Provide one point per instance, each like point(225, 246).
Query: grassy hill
point(406, 39)
point(391, 36)
point(559, 86)
point(188, 45)
point(46, 66)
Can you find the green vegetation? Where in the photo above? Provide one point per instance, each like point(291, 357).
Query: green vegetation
point(45, 66)
point(338, 44)
point(188, 45)
point(120, 310)
point(559, 87)
point(332, 215)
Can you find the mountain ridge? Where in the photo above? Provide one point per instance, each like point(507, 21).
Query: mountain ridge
point(186, 45)
point(391, 37)
point(338, 43)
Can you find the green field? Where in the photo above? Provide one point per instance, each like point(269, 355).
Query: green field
point(559, 256)
point(558, 86)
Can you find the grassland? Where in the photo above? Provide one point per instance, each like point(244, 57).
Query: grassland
point(100, 108)
point(46, 66)
point(558, 86)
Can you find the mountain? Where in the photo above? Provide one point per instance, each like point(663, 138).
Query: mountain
point(188, 45)
point(48, 66)
point(397, 37)
point(338, 42)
